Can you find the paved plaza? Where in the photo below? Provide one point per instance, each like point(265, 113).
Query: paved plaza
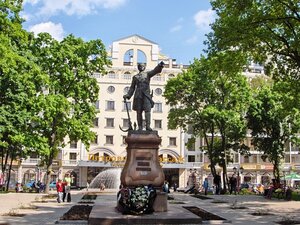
point(50, 211)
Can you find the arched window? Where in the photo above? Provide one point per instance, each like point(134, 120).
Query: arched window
point(171, 76)
point(111, 74)
point(127, 75)
point(141, 57)
point(128, 58)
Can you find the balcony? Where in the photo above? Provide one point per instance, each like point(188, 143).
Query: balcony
point(31, 161)
point(194, 164)
point(71, 162)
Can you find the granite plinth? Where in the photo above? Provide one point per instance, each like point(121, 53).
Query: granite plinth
point(109, 215)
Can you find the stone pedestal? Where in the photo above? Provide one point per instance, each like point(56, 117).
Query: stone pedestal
point(142, 164)
point(161, 202)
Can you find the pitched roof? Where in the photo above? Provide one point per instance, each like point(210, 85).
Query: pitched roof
point(136, 36)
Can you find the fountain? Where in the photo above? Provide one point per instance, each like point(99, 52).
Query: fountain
point(110, 178)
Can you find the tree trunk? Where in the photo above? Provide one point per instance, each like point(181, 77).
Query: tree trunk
point(48, 177)
point(8, 176)
point(276, 171)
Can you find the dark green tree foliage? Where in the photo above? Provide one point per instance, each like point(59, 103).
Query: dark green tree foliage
point(20, 80)
point(67, 106)
point(212, 97)
point(273, 123)
point(268, 30)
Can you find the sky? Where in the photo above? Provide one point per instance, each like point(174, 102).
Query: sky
point(178, 27)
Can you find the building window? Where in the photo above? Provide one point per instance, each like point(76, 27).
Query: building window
point(112, 75)
point(254, 159)
point(246, 159)
point(109, 139)
point(110, 105)
point(110, 122)
point(127, 76)
point(191, 158)
point(157, 124)
point(190, 129)
point(171, 76)
point(73, 144)
point(125, 123)
point(95, 140)
point(111, 89)
point(97, 104)
point(236, 157)
point(72, 156)
point(201, 157)
point(158, 91)
point(126, 89)
point(128, 105)
point(157, 107)
point(157, 77)
point(191, 145)
point(96, 122)
point(287, 159)
point(123, 140)
point(172, 141)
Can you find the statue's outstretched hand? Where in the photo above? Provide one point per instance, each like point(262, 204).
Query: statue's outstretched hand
point(126, 97)
point(162, 64)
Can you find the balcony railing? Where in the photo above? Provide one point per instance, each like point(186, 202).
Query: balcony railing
point(31, 161)
point(70, 162)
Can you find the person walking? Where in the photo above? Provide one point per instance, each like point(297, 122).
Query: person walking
point(166, 187)
point(205, 185)
point(60, 190)
point(175, 187)
point(67, 183)
point(233, 184)
point(217, 183)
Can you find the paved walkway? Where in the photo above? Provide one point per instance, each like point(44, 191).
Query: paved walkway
point(50, 211)
point(47, 211)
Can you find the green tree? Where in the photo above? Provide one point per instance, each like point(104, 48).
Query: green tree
point(212, 97)
point(20, 81)
point(67, 106)
point(272, 123)
point(268, 31)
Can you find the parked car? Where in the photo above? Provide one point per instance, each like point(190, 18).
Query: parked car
point(52, 185)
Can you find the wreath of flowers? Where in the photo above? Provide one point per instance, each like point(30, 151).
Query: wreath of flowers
point(137, 200)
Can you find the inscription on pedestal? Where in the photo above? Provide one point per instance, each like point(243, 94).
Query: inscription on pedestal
point(143, 166)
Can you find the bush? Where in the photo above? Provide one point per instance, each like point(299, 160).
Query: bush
point(295, 196)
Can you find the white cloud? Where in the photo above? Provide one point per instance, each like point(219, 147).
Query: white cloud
point(76, 7)
point(32, 2)
point(192, 39)
point(176, 28)
point(56, 30)
point(25, 16)
point(204, 18)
